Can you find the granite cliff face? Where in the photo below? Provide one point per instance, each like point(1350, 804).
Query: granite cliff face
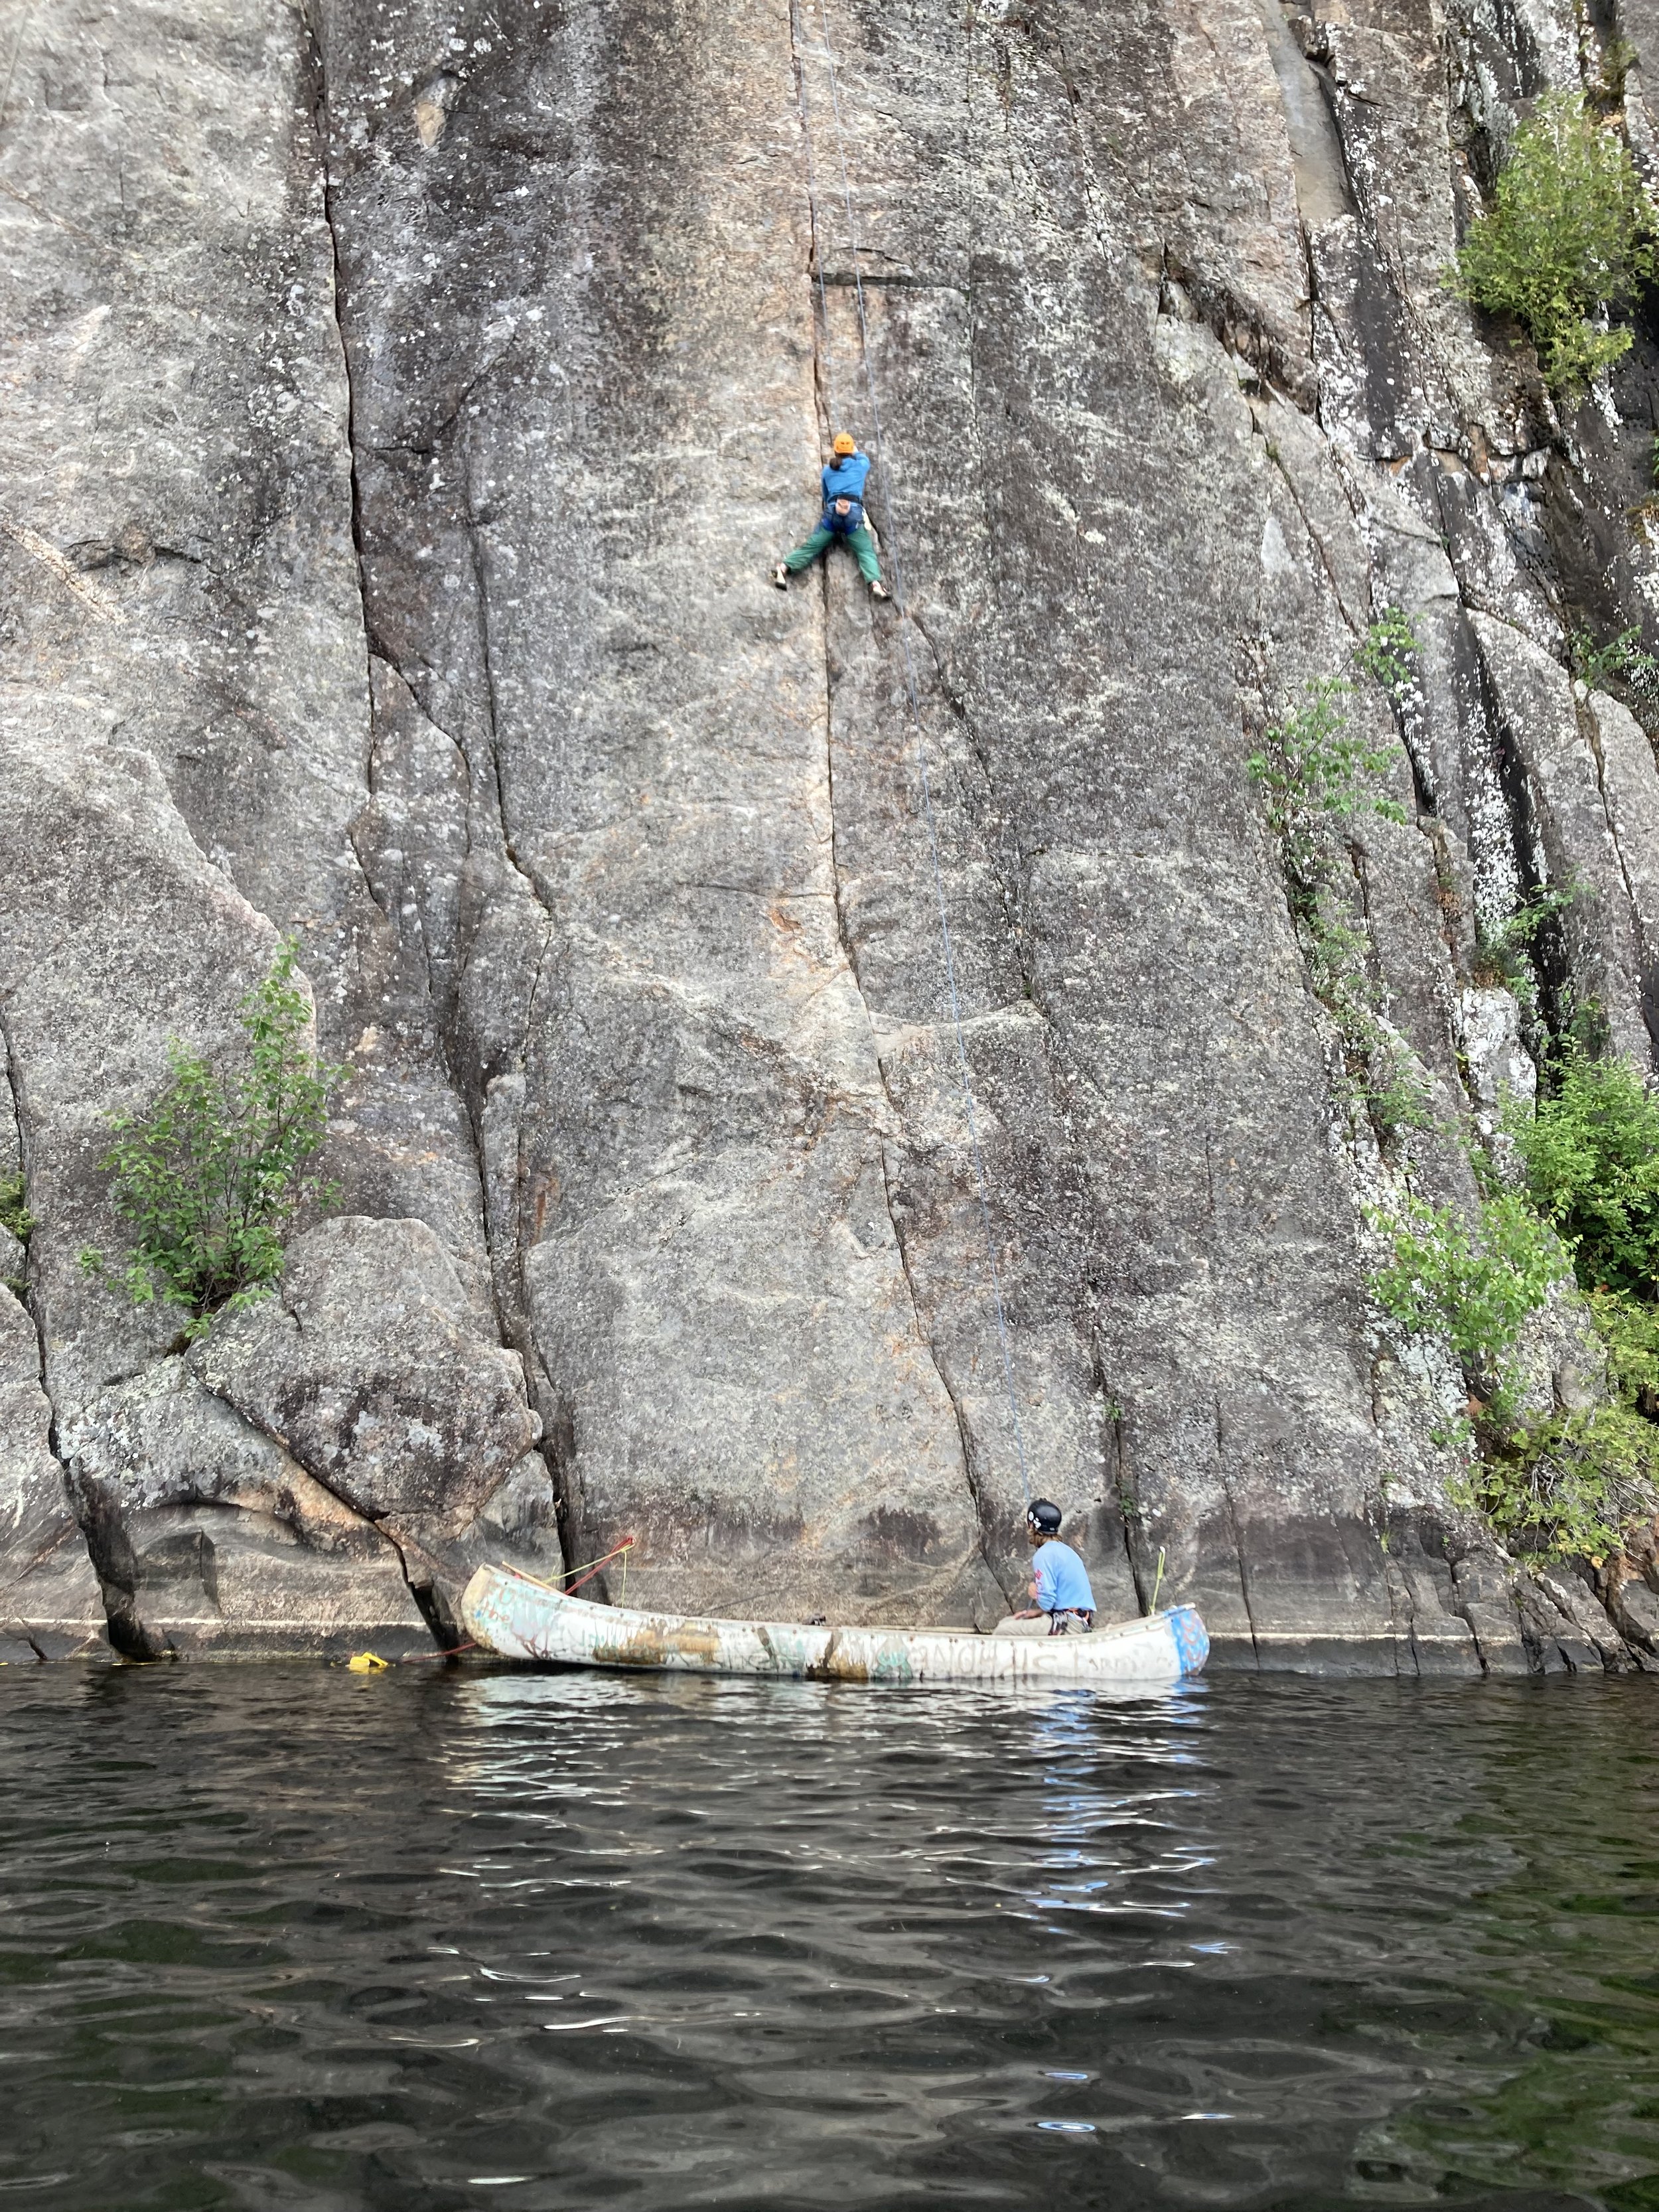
point(406, 403)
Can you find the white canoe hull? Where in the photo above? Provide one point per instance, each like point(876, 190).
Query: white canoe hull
point(520, 1618)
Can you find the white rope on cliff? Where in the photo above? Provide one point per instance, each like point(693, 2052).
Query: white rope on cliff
point(952, 996)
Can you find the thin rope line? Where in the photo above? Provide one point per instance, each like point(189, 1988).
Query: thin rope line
point(813, 202)
point(952, 994)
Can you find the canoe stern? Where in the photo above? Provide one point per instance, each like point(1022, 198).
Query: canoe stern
point(1192, 1640)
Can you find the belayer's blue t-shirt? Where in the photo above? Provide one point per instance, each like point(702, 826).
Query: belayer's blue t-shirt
point(845, 479)
point(1062, 1581)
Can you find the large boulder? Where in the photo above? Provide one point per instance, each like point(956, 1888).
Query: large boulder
point(210, 1540)
point(367, 1370)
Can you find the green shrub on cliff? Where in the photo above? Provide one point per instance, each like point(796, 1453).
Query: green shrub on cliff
point(1387, 654)
point(1317, 773)
point(1475, 1281)
point(1559, 1484)
point(13, 1211)
point(1567, 1486)
point(1568, 233)
point(1505, 951)
point(1591, 1156)
point(1622, 658)
point(1315, 769)
point(1567, 1482)
point(15, 1216)
point(212, 1176)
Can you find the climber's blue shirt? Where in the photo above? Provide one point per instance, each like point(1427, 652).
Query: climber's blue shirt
point(1062, 1581)
point(845, 479)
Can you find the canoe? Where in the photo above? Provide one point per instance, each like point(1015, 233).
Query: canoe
point(516, 1617)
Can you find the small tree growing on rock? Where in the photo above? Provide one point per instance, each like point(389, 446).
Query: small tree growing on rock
point(1569, 232)
point(1568, 1482)
point(212, 1176)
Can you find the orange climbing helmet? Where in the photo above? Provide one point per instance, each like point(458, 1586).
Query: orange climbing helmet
point(844, 444)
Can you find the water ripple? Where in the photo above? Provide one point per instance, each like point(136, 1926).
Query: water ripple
point(286, 1940)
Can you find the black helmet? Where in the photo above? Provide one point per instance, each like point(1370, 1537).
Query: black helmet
point(1044, 1516)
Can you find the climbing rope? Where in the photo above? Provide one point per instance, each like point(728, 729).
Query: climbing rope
point(592, 1567)
point(370, 1663)
point(952, 996)
point(585, 1570)
point(829, 356)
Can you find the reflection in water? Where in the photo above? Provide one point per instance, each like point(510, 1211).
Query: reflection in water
point(274, 1937)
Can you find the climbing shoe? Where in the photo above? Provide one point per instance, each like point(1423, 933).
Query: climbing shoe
point(879, 591)
point(781, 576)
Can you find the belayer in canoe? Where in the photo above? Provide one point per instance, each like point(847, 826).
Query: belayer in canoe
point(1060, 1582)
point(842, 517)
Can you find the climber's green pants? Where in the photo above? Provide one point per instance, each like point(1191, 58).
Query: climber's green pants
point(860, 541)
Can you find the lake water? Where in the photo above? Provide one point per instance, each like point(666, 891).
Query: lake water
point(298, 1940)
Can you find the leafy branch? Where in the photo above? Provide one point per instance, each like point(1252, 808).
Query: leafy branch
point(1504, 952)
point(1317, 773)
point(1622, 660)
point(1314, 767)
point(1474, 1281)
point(212, 1176)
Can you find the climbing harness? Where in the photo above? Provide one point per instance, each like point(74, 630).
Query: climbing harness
point(952, 996)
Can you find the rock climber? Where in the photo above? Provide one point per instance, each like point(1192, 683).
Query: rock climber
point(1060, 1581)
point(842, 517)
